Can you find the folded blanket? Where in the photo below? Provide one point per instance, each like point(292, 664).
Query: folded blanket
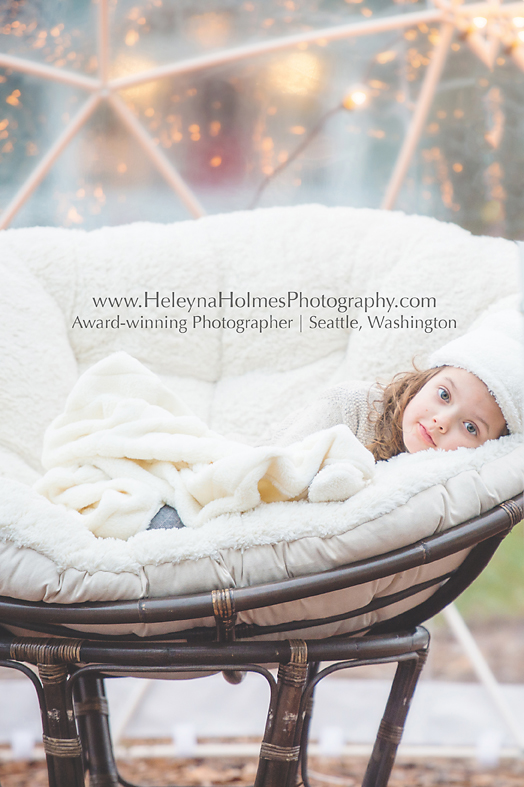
point(126, 445)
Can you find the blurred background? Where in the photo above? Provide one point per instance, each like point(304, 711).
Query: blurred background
point(228, 127)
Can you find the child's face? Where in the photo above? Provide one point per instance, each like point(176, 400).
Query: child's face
point(453, 409)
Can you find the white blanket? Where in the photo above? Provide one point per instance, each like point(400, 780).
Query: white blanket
point(126, 445)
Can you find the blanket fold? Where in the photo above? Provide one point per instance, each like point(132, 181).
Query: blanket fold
point(126, 445)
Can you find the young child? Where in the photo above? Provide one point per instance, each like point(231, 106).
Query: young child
point(472, 392)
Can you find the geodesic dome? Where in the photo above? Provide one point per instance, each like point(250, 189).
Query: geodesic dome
point(156, 110)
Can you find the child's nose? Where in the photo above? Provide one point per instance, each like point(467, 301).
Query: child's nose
point(441, 423)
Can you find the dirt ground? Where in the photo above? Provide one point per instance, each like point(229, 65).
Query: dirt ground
point(323, 772)
point(502, 643)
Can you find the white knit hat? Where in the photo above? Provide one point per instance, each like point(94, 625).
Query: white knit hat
point(494, 352)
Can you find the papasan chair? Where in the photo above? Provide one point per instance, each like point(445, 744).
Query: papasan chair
point(293, 583)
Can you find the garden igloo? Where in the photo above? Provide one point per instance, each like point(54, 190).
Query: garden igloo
point(118, 111)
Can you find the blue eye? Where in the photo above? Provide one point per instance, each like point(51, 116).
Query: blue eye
point(444, 395)
point(471, 428)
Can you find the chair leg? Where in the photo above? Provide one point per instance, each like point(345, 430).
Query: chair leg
point(306, 723)
point(92, 712)
point(392, 724)
point(61, 742)
point(278, 752)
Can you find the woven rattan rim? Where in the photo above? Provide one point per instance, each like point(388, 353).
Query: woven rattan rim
point(499, 520)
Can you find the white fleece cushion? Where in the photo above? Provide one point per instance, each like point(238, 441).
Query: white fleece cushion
point(37, 365)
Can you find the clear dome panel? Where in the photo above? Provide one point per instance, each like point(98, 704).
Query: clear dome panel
point(469, 165)
point(323, 120)
point(170, 30)
point(102, 178)
point(33, 114)
point(274, 129)
point(54, 33)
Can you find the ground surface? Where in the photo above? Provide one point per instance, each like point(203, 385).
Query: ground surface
point(346, 773)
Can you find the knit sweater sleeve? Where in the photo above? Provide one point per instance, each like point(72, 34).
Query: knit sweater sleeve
point(349, 403)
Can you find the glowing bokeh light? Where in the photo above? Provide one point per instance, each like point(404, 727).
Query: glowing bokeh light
point(125, 64)
point(355, 98)
point(210, 29)
point(299, 73)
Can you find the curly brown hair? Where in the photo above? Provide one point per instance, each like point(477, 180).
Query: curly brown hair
point(398, 393)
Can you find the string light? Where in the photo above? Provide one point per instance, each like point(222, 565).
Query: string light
point(495, 31)
point(355, 98)
point(480, 22)
point(486, 47)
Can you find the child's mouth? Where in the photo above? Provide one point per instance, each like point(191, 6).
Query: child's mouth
point(426, 436)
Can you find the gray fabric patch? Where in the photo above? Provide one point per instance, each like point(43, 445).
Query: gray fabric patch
point(166, 519)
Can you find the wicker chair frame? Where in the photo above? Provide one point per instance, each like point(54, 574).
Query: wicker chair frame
point(71, 670)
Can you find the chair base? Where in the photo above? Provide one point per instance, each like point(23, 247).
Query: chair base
point(75, 713)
